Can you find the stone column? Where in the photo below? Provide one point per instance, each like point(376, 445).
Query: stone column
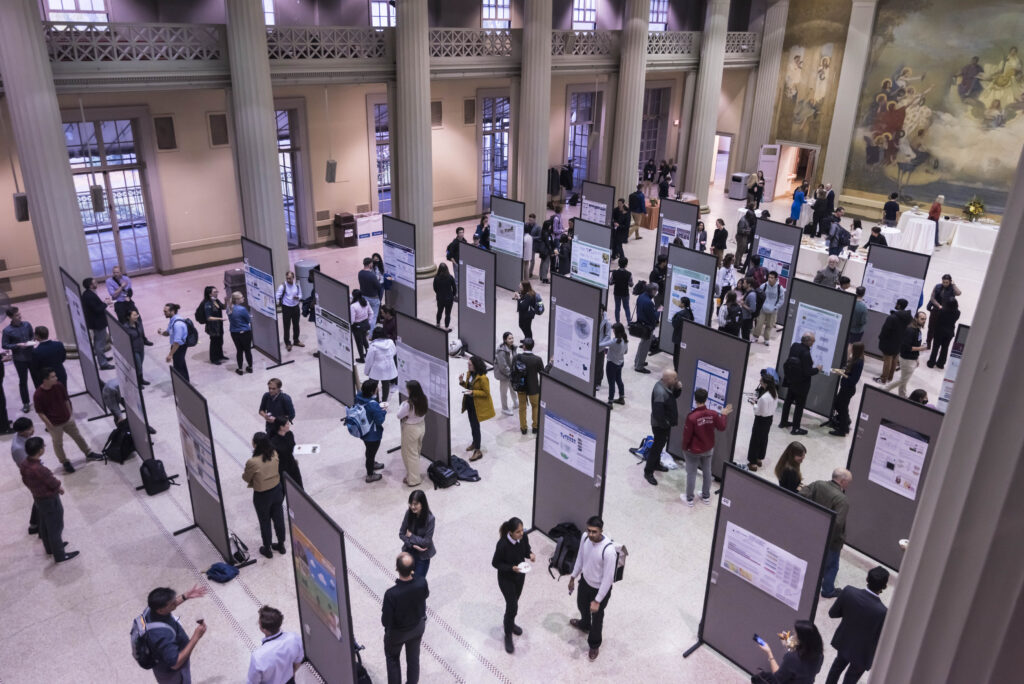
point(851, 77)
point(252, 112)
point(738, 161)
point(39, 139)
point(534, 107)
point(767, 82)
point(412, 128)
point(709, 92)
point(956, 610)
point(629, 100)
point(685, 119)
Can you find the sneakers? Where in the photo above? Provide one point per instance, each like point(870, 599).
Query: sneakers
point(248, 369)
point(621, 401)
point(377, 465)
point(688, 502)
point(238, 371)
point(68, 468)
point(507, 412)
point(373, 478)
point(68, 556)
point(798, 431)
point(766, 343)
point(705, 500)
point(641, 370)
point(25, 408)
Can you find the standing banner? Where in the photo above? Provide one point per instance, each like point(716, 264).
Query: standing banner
point(128, 382)
point(891, 274)
point(956, 354)
point(399, 255)
point(575, 313)
point(86, 360)
point(591, 259)
point(691, 275)
point(596, 203)
point(507, 220)
point(261, 298)
point(676, 220)
point(477, 306)
point(321, 586)
point(778, 245)
point(423, 356)
point(334, 338)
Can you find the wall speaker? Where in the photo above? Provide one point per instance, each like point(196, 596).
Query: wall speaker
point(97, 193)
point(20, 207)
point(332, 170)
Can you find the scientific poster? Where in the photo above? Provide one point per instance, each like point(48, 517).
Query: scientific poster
point(507, 236)
point(776, 256)
point(825, 326)
point(400, 261)
point(692, 284)
point(431, 373)
point(569, 442)
point(883, 288)
point(898, 459)
point(713, 379)
point(768, 567)
point(259, 291)
point(670, 230)
point(128, 381)
point(333, 337)
point(573, 342)
point(198, 453)
point(82, 338)
point(956, 353)
point(476, 281)
point(590, 263)
point(595, 212)
point(317, 579)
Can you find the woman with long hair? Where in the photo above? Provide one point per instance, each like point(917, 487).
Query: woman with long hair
point(214, 312)
point(510, 553)
point(375, 414)
point(765, 401)
point(504, 358)
point(240, 326)
point(360, 313)
point(616, 359)
point(729, 314)
point(380, 361)
point(804, 655)
point(799, 199)
point(725, 279)
point(526, 306)
point(411, 416)
point(444, 291)
point(133, 326)
point(476, 401)
point(263, 477)
point(849, 377)
point(283, 441)
point(787, 470)
point(719, 241)
point(417, 532)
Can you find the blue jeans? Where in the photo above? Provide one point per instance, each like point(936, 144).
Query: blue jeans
point(623, 301)
point(614, 371)
point(828, 576)
point(375, 306)
point(421, 567)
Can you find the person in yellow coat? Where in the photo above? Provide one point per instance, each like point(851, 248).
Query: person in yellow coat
point(476, 401)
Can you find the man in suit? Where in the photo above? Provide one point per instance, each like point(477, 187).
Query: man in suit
point(825, 222)
point(797, 379)
point(856, 638)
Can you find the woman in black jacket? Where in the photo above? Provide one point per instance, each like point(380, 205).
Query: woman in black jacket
point(719, 241)
point(511, 551)
point(417, 532)
point(804, 655)
point(564, 255)
point(526, 306)
point(444, 291)
point(214, 312)
point(850, 376)
point(546, 247)
point(945, 330)
point(890, 337)
point(133, 326)
point(283, 441)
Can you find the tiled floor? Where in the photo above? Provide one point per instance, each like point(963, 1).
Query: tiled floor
point(70, 622)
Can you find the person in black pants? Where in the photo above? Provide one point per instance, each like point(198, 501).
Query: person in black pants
point(664, 415)
point(214, 311)
point(375, 414)
point(262, 474)
point(943, 332)
point(850, 376)
point(511, 551)
point(404, 618)
point(765, 399)
point(444, 291)
point(5, 421)
point(798, 368)
point(621, 281)
point(620, 228)
point(289, 296)
point(275, 404)
point(526, 306)
point(283, 442)
point(18, 338)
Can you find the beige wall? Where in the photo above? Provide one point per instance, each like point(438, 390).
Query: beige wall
point(17, 242)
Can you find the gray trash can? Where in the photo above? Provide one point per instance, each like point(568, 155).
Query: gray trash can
point(302, 269)
point(738, 186)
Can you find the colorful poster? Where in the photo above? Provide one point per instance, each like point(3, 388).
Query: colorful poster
point(590, 263)
point(776, 256)
point(697, 286)
point(400, 261)
point(259, 291)
point(825, 326)
point(768, 567)
point(333, 337)
point(507, 236)
point(316, 578)
point(198, 454)
point(898, 459)
point(573, 343)
point(883, 288)
point(569, 442)
point(670, 230)
point(715, 381)
point(595, 212)
point(431, 373)
point(476, 282)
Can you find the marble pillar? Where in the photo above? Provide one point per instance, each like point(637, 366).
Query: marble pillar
point(629, 100)
point(685, 119)
point(763, 113)
point(737, 161)
point(534, 107)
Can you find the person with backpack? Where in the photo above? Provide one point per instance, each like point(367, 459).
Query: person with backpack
point(504, 357)
point(179, 330)
point(240, 327)
point(46, 491)
point(647, 317)
point(890, 337)
point(213, 318)
point(748, 307)
point(684, 314)
point(616, 360)
point(838, 237)
point(798, 370)
point(525, 379)
point(263, 475)
point(765, 401)
point(621, 281)
point(445, 292)
point(770, 296)
point(595, 566)
point(756, 273)
point(730, 314)
point(510, 554)
point(380, 361)
point(360, 315)
point(699, 444)
point(528, 305)
point(374, 414)
point(547, 248)
point(411, 417)
point(417, 532)
point(159, 642)
point(283, 441)
point(476, 401)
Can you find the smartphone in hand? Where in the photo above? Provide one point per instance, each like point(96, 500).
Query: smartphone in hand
point(760, 641)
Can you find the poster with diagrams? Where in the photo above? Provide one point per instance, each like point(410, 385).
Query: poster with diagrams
point(259, 291)
point(768, 567)
point(573, 342)
point(507, 236)
point(825, 326)
point(476, 283)
point(590, 263)
point(431, 373)
point(715, 381)
point(569, 442)
point(883, 288)
point(670, 230)
point(595, 212)
point(693, 284)
point(333, 337)
point(198, 453)
point(316, 578)
point(400, 261)
point(898, 459)
point(776, 256)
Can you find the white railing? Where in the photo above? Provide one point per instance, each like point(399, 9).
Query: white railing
point(326, 42)
point(133, 42)
point(584, 43)
point(673, 43)
point(453, 42)
point(742, 43)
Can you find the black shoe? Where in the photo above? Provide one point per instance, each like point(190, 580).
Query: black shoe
point(63, 545)
point(33, 529)
point(372, 478)
point(836, 433)
point(621, 401)
point(93, 456)
point(378, 466)
point(535, 430)
point(265, 552)
point(144, 382)
point(68, 468)
point(833, 595)
point(216, 363)
point(106, 366)
point(642, 370)
point(826, 423)
point(279, 547)
point(68, 556)
point(517, 630)
point(151, 430)
point(930, 364)
point(147, 343)
point(509, 646)
point(650, 478)
point(239, 371)
point(360, 360)
point(523, 430)
point(248, 369)
point(798, 431)
point(611, 404)
point(940, 365)
point(660, 468)
point(785, 425)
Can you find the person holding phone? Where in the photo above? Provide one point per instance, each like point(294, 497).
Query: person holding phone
point(417, 532)
point(171, 646)
point(804, 655)
point(510, 556)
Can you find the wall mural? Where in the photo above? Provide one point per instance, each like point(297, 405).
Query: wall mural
point(942, 107)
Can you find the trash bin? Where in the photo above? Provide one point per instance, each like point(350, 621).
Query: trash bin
point(345, 233)
point(234, 281)
point(302, 269)
point(738, 186)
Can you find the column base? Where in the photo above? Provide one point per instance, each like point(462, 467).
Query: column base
point(424, 272)
point(705, 209)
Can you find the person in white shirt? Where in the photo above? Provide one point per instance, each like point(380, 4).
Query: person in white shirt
point(774, 295)
point(527, 254)
point(411, 415)
point(725, 279)
point(279, 657)
point(595, 566)
point(380, 362)
point(359, 316)
point(289, 296)
point(765, 401)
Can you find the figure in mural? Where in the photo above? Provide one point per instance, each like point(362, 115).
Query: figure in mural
point(968, 84)
point(1003, 82)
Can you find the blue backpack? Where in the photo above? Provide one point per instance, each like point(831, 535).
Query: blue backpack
point(463, 470)
point(645, 446)
point(357, 422)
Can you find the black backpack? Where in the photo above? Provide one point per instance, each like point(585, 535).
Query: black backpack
point(192, 335)
point(463, 470)
point(792, 371)
point(518, 375)
point(441, 475)
point(119, 446)
point(154, 477)
point(567, 546)
point(759, 297)
point(639, 288)
point(201, 313)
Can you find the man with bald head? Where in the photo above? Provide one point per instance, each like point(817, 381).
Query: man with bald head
point(404, 618)
point(832, 495)
point(664, 416)
point(797, 371)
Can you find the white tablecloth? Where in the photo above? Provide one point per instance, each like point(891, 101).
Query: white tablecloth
point(814, 258)
point(917, 233)
point(948, 229)
point(977, 236)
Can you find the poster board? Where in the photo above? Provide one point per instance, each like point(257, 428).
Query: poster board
point(956, 354)
point(261, 298)
point(767, 558)
point(676, 219)
point(570, 456)
point(690, 274)
point(827, 313)
point(321, 586)
point(573, 330)
point(86, 360)
point(507, 217)
point(199, 455)
point(889, 274)
point(399, 254)
point(716, 361)
point(477, 305)
point(423, 356)
point(127, 378)
point(334, 338)
point(890, 457)
point(596, 203)
point(591, 254)
point(778, 245)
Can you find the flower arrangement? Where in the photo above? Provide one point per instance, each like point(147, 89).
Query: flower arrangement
point(974, 209)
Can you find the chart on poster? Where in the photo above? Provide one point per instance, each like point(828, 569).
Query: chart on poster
point(333, 337)
point(198, 454)
point(590, 263)
point(573, 342)
point(431, 373)
point(898, 459)
point(694, 285)
point(507, 236)
point(885, 287)
point(259, 290)
point(776, 256)
point(569, 442)
point(715, 381)
point(768, 567)
point(825, 326)
point(400, 261)
point(670, 230)
point(476, 281)
point(595, 212)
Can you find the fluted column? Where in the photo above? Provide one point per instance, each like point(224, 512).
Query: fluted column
point(685, 119)
point(535, 106)
point(851, 77)
point(412, 127)
point(767, 82)
point(252, 112)
point(629, 101)
point(736, 161)
point(39, 138)
point(709, 91)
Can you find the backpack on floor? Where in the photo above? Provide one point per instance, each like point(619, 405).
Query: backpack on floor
point(119, 446)
point(154, 477)
point(222, 572)
point(142, 651)
point(362, 676)
point(567, 546)
point(642, 450)
point(456, 347)
point(356, 421)
point(463, 470)
point(441, 475)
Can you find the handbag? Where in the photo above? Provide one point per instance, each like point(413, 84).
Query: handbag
point(638, 329)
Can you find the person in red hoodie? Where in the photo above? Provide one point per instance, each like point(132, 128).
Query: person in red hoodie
point(699, 444)
point(46, 490)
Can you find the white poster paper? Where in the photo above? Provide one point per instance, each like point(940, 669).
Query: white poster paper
point(898, 459)
point(768, 567)
point(400, 261)
point(82, 338)
point(333, 337)
point(670, 230)
point(713, 379)
point(198, 454)
point(259, 291)
point(573, 342)
point(507, 236)
point(776, 256)
point(590, 263)
point(883, 288)
point(476, 282)
point(128, 383)
point(956, 353)
point(692, 284)
point(431, 373)
point(569, 442)
point(595, 212)
point(825, 326)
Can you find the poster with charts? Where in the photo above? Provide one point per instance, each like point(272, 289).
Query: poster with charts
point(259, 290)
point(825, 326)
point(400, 261)
point(198, 455)
point(569, 443)
point(431, 373)
point(333, 337)
point(776, 256)
point(590, 263)
point(713, 379)
point(768, 567)
point(595, 212)
point(692, 284)
point(507, 236)
point(883, 288)
point(573, 342)
point(670, 230)
point(898, 459)
point(476, 283)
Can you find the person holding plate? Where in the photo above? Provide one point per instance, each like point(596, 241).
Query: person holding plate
point(510, 560)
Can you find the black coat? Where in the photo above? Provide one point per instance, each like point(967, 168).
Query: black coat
point(95, 310)
point(802, 353)
point(891, 335)
point(507, 554)
point(863, 615)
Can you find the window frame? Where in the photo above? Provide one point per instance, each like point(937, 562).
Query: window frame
point(389, 11)
point(657, 19)
point(584, 15)
point(77, 14)
point(501, 14)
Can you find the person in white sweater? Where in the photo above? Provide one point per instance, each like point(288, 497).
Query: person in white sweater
point(380, 361)
point(765, 401)
point(595, 566)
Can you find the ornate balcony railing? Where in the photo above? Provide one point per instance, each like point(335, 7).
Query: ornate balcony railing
point(673, 43)
point(742, 43)
point(470, 43)
point(327, 42)
point(584, 43)
point(134, 42)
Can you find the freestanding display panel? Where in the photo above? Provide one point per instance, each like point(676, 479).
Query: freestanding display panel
point(778, 245)
point(334, 338)
point(86, 360)
point(573, 332)
point(891, 274)
point(676, 219)
point(692, 275)
point(128, 380)
point(423, 356)
point(399, 254)
point(477, 306)
point(261, 298)
point(956, 354)
point(507, 220)
point(596, 203)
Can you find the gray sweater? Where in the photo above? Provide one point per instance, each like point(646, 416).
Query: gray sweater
point(617, 351)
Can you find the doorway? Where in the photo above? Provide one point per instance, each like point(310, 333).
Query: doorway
point(796, 164)
point(719, 170)
point(584, 115)
point(495, 127)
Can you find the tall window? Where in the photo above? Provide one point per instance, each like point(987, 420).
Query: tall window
point(76, 10)
point(659, 15)
point(584, 15)
point(494, 149)
point(496, 14)
point(382, 13)
point(287, 156)
point(584, 129)
point(652, 125)
point(382, 140)
point(268, 12)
